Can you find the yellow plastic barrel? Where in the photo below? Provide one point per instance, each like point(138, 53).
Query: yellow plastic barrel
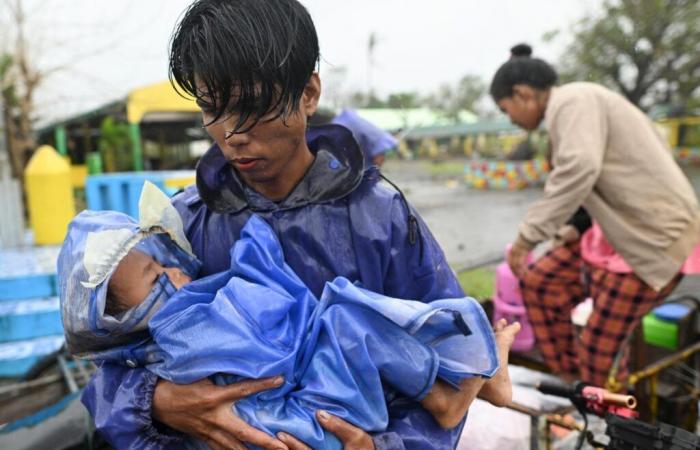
point(49, 185)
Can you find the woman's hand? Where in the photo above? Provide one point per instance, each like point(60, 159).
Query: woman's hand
point(517, 256)
point(203, 410)
point(350, 436)
point(566, 235)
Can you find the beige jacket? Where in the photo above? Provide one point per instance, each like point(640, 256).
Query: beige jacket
point(608, 157)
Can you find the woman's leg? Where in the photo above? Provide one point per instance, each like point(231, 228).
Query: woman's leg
point(551, 287)
point(620, 302)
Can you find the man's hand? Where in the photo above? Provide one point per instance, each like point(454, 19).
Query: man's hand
point(203, 410)
point(517, 256)
point(350, 436)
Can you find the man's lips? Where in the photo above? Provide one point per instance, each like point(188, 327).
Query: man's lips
point(245, 163)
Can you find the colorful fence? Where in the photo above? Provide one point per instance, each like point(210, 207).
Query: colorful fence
point(687, 155)
point(512, 175)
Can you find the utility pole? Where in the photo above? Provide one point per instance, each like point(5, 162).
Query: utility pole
point(371, 45)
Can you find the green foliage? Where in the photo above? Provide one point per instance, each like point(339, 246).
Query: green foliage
point(649, 50)
point(403, 100)
point(444, 169)
point(115, 146)
point(7, 81)
point(450, 100)
point(478, 283)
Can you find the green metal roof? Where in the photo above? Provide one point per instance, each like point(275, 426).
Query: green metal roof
point(464, 129)
point(401, 119)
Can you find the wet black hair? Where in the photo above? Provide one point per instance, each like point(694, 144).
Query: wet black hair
point(253, 57)
point(521, 68)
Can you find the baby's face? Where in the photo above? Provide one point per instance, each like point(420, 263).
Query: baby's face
point(136, 275)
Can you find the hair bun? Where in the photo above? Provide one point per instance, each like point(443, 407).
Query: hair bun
point(521, 51)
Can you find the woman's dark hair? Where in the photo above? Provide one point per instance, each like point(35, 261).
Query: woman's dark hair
point(251, 57)
point(521, 68)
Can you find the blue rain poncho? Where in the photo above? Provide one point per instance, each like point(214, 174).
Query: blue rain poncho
point(95, 243)
point(258, 319)
point(373, 140)
point(338, 221)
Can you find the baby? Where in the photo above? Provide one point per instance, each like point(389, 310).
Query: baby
point(126, 297)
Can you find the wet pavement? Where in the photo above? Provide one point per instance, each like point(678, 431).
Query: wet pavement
point(474, 226)
point(471, 225)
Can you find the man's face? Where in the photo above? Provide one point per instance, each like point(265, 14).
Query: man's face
point(272, 156)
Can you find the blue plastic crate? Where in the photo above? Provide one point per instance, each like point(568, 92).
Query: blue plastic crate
point(16, 358)
point(29, 319)
point(121, 191)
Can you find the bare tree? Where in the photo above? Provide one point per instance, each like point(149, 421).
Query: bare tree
point(19, 79)
point(34, 48)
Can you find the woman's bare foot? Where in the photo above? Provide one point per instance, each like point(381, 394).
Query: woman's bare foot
point(498, 390)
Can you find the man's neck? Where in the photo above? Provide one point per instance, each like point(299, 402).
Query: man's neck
point(279, 189)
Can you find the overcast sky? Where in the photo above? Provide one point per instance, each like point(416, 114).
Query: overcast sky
point(105, 48)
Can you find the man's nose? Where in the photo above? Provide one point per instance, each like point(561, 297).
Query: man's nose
point(235, 137)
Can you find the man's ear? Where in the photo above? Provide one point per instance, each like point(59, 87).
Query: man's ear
point(311, 96)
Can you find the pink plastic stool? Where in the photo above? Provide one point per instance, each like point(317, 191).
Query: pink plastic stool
point(508, 304)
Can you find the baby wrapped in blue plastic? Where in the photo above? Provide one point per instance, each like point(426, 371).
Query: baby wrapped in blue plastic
point(342, 352)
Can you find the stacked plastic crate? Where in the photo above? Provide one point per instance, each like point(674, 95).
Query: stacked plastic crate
point(121, 191)
point(30, 321)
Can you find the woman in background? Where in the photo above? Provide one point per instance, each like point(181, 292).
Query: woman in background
point(607, 158)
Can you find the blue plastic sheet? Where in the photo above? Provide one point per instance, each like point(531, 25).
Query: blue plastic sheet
point(337, 353)
point(372, 140)
point(259, 320)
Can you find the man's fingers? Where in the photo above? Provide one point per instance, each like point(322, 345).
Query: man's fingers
point(292, 442)
point(246, 433)
point(246, 388)
point(219, 440)
point(344, 431)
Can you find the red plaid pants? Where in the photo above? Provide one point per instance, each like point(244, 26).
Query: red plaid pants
point(555, 283)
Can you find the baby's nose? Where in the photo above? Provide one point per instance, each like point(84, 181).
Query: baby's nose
point(177, 277)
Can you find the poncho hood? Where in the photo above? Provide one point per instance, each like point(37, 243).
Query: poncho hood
point(336, 171)
point(95, 244)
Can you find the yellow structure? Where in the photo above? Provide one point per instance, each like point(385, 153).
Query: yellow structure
point(680, 131)
point(158, 97)
point(49, 185)
point(79, 173)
